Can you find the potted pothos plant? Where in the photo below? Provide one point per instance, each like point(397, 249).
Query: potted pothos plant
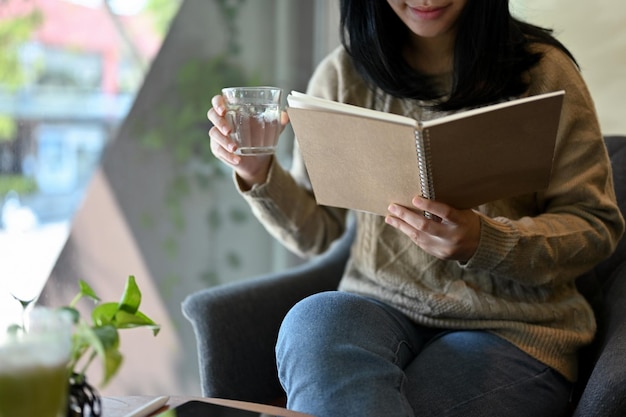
point(97, 337)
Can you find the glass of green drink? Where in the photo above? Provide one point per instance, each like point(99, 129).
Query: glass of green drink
point(33, 366)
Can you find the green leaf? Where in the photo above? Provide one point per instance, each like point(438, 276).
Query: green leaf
point(104, 313)
point(112, 358)
point(112, 363)
point(109, 314)
point(124, 320)
point(108, 336)
point(132, 296)
point(87, 291)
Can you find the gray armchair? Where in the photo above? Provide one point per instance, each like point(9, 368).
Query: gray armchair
point(236, 325)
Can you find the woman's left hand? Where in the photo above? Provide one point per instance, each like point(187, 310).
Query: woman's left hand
point(451, 235)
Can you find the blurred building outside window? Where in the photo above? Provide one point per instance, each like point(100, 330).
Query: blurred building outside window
point(69, 71)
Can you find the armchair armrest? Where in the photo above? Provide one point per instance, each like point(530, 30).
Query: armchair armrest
point(605, 392)
point(236, 325)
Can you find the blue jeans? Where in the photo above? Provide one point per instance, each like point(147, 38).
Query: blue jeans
point(342, 355)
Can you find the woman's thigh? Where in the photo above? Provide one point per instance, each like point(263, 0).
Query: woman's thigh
point(476, 373)
point(341, 354)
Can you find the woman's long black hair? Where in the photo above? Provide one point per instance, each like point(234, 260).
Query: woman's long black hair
point(491, 53)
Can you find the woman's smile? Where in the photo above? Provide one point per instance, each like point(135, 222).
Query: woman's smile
point(428, 12)
point(429, 19)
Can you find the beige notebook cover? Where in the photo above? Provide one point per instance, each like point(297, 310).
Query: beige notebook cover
point(363, 159)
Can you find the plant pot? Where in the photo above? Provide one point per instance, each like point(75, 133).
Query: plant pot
point(83, 398)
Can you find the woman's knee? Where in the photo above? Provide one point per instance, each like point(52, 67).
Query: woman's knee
point(315, 316)
point(323, 322)
point(306, 334)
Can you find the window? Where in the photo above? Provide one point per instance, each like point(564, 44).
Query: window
point(69, 71)
point(158, 205)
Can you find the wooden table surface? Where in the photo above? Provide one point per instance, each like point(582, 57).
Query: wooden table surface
point(121, 406)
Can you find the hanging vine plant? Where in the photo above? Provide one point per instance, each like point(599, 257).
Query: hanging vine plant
point(182, 133)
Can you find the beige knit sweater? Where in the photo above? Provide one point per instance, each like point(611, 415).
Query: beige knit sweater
point(520, 282)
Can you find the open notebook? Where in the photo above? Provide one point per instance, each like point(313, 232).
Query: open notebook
point(365, 159)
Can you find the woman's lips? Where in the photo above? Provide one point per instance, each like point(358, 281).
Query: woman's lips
point(428, 13)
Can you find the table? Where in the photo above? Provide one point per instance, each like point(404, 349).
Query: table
point(120, 406)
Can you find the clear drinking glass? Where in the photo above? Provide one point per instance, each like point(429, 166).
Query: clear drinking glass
point(253, 114)
point(33, 365)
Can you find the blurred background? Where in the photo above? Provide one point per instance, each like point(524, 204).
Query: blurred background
point(105, 169)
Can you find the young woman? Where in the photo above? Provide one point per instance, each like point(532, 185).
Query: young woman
point(476, 314)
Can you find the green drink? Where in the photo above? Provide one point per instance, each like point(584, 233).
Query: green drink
point(33, 368)
point(38, 391)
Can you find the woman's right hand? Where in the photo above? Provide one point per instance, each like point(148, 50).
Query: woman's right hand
point(251, 169)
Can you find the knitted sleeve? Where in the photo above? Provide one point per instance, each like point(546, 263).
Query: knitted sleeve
point(285, 204)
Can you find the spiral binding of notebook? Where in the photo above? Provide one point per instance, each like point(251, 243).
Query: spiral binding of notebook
point(422, 143)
